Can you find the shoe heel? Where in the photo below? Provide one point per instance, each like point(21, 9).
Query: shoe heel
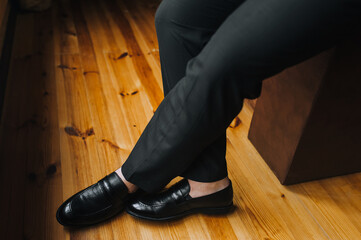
point(218, 210)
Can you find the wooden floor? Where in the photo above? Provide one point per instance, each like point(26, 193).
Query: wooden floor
point(84, 81)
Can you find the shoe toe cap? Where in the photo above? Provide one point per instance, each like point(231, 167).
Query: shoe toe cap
point(64, 214)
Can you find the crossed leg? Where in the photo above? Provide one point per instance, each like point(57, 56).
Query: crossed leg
point(257, 40)
point(260, 38)
point(183, 28)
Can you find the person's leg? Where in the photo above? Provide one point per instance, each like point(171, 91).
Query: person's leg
point(259, 39)
point(183, 28)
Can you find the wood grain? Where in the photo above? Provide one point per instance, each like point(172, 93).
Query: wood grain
point(4, 15)
point(29, 149)
point(84, 82)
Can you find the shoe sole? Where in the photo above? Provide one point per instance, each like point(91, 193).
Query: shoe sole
point(89, 223)
point(208, 211)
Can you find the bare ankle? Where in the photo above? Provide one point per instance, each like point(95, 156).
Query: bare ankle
point(199, 189)
point(131, 187)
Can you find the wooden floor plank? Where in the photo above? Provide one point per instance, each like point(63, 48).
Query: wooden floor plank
point(141, 65)
point(138, 15)
point(102, 160)
point(78, 145)
point(334, 213)
point(84, 81)
point(279, 197)
point(104, 45)
point(64, 28)
point(30, 153)
point(250, 199)
point(122, 118)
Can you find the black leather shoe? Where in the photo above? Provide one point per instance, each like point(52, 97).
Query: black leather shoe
point(175, 202)
point(94, 204)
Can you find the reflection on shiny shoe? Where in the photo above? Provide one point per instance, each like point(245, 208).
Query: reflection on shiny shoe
point(176, 202)
point(94, 204)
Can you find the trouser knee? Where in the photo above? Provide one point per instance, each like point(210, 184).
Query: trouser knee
point(217, 75)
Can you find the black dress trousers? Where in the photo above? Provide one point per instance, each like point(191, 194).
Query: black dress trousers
point(214, 54)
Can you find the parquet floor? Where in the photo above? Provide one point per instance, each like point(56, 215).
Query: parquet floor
point(84, 81)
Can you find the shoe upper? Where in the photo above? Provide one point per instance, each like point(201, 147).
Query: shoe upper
point(95, 203)
point(176, 200)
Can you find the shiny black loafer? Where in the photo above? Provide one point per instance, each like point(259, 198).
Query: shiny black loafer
point(175, 202)
point(95, 203)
